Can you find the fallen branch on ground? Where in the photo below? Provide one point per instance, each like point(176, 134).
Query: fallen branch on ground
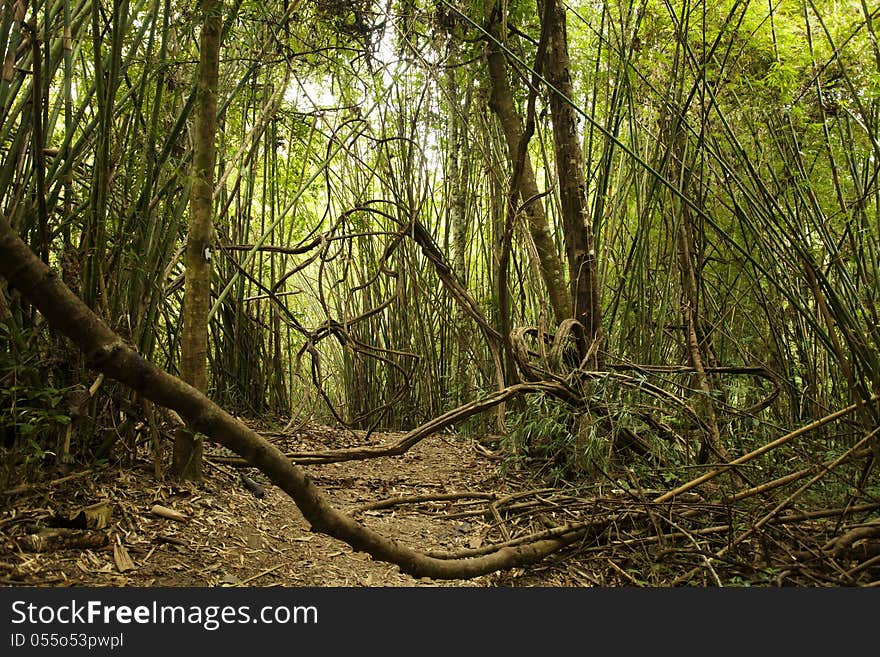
point(107, 353)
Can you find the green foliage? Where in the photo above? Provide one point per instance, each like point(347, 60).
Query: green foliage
point(543, 427)
point(558, 442)
point(757, 123)
point(32, 412)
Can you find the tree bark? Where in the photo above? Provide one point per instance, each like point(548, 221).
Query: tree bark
point(577, 227)
point(501, 103)
point(187, 462)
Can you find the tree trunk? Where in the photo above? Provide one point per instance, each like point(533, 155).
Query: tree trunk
point(501, 103)
point(197, 294)
point(577, 228)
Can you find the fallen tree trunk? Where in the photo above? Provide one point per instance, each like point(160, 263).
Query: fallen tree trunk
point(107, 353)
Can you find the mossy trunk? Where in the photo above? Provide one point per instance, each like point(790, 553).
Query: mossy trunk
point(197, 295)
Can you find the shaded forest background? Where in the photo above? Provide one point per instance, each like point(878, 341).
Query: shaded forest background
point(653, 224)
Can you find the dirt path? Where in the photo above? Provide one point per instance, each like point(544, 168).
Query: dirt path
point(232, 537)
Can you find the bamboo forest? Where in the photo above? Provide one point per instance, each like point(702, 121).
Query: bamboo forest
point(485, 293)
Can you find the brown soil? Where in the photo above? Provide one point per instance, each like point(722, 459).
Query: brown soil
point(231, 537)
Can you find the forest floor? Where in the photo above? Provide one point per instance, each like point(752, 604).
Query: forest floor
point(120, 526)
point(100, 527)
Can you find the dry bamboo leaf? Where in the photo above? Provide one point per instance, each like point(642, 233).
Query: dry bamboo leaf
point(122, 558)
point(94, 516)
point(229, 578)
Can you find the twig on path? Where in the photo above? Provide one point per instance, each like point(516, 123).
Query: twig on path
point(260, 574)
point(389, 502)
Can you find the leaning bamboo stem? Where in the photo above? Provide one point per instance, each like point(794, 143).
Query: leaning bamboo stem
point(769, 447)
